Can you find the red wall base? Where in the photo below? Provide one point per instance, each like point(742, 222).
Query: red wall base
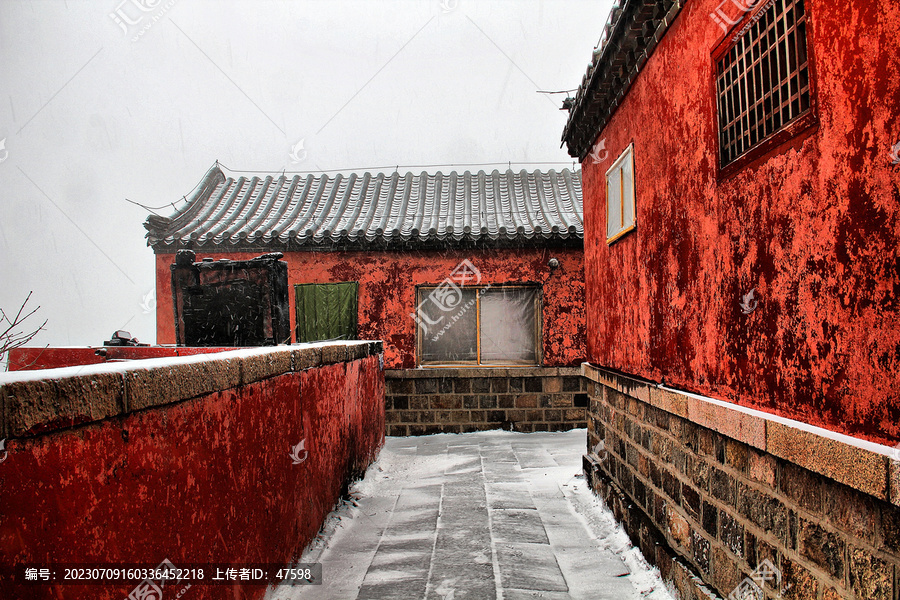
point(32, 359)
point(204, 480)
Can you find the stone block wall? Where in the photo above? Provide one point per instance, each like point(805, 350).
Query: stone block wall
point(709, 491)
point(426, 401)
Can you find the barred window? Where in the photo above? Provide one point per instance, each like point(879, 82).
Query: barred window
point(762, 79)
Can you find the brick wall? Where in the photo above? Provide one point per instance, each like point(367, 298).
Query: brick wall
point(709, 491)
point(425, 401)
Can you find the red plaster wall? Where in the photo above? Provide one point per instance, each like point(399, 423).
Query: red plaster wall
point(387, 283)
point(32, 359)
point(814, 226)
point(206, 480)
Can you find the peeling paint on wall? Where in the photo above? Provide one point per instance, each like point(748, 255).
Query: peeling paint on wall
point(205, 480)
point(813, 227)
point(387, 282)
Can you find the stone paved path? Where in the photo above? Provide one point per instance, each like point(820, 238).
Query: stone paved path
point(483, 516)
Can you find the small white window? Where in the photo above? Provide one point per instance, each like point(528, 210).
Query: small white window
point(620, 196)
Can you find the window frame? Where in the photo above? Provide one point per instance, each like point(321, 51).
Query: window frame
point(425, 288)
point(789, 134)
point(625, 228)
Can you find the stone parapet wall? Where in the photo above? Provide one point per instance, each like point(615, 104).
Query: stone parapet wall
point(709, 491)
point(42, 401)
point(426, 401)
point(234, 457)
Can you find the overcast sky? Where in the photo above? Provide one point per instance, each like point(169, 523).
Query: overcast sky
point(108, 100)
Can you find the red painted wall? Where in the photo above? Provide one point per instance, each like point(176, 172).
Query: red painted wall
point(814, 226)
point(206, 480)
point(32, 359)
point(387, 283)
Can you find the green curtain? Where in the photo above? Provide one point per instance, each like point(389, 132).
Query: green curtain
point(326, 311)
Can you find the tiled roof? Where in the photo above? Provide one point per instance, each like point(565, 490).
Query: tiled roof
point(375, 210)
point(633, 30)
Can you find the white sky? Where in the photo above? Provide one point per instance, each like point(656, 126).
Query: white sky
point(90, 117)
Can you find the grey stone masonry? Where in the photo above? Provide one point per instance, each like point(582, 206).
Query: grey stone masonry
point(39, 402)
point(427, 401)
point(711, 491)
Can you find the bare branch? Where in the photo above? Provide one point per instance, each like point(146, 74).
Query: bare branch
point(36, 358)
point(16, 333)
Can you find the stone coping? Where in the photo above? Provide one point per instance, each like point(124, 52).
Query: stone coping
point(443, 372)
point(45, 400)
point(863, 465)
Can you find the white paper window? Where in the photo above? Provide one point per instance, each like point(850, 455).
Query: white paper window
point(490, 326)
point(620, 196)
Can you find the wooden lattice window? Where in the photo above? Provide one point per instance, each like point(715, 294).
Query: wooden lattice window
point(762, 79)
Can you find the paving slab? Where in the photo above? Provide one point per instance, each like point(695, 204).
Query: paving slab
point(530, 567)
point(518, 525)
point(512, 495)
point(463, 580)
point(514, 594)
point(487, 516)
point(530, 457)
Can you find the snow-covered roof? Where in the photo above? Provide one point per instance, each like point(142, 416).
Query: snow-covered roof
point(375, 210)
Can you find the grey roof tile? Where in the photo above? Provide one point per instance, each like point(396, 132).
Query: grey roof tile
point(632, 31)
point(375, 210)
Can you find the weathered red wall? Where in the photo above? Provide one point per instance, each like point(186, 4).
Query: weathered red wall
point(387, 294)
point(205, 480)
point(32, 359)
point(814, 226)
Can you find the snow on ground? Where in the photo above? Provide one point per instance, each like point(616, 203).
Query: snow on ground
point(482, 515)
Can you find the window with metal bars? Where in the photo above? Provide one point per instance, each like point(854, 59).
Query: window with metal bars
point(762, 79)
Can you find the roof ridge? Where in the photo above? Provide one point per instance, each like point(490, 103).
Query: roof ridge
point(257, 211)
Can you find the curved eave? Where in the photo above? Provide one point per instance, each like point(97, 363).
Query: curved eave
point(632, 32)
point(363, 243)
